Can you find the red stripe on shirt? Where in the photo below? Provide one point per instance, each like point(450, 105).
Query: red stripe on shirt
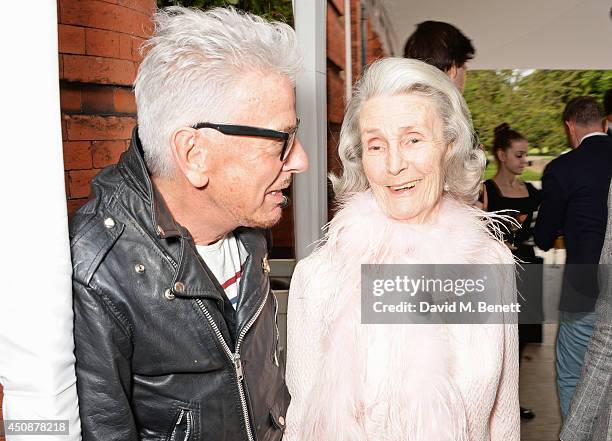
point(232, 280)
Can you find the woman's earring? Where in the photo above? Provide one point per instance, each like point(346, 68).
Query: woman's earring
point(446, 187)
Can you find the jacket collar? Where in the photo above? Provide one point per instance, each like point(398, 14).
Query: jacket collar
point(186, 281)
point(133, 166)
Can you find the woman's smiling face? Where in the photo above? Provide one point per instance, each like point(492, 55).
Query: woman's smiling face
point(403, 150)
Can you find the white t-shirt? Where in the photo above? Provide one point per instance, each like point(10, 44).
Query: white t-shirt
point(225, 258)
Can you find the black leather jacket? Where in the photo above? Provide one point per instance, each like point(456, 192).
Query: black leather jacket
point(160, 352)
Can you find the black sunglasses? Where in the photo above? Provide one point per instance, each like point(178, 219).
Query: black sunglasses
point(288, 137)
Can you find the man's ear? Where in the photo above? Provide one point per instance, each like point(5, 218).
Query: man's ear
point(452, 72)
point(189, 152)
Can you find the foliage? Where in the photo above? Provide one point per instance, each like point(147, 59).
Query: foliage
point(531, 102)
point(280, 10)
point(528, 175)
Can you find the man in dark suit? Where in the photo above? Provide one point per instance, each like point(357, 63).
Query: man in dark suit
point(608, 110)
point(574, 204)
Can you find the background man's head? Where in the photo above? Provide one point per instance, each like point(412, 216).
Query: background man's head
point(224, 67)
point(442, 45)
point(582, 115)
point(607, 102)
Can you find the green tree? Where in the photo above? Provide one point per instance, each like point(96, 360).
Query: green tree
point(532, 102)
point(281, 10)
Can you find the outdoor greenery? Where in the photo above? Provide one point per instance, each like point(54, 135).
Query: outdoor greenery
point(531, 102)
point(280, 10)
point(527, 175)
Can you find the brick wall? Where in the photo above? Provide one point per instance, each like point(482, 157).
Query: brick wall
point(99, 43)
point(374, 49)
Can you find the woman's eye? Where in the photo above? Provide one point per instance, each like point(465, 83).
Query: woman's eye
point(375, 147)
point(410, 140)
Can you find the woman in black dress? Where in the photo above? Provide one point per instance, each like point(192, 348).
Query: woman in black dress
point(506, 191)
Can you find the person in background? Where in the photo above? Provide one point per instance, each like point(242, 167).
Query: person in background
point(607, 102)
point(590, 414)
point(506, 191)
point(574, 203)
point(442, 45)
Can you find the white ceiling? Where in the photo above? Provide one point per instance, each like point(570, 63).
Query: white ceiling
point(516, 34)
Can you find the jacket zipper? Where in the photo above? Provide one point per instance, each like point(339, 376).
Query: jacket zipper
point(276, 329)
point(235, 357)
point(187, 415)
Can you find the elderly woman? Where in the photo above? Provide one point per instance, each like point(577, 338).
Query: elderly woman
point(411, 173)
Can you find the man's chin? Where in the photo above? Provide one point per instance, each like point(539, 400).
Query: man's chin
point(264, 221)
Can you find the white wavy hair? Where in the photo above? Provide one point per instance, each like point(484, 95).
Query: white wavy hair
point(463, 164)
point(192, 60)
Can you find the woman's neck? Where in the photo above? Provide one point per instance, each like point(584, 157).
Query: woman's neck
point(506, 178)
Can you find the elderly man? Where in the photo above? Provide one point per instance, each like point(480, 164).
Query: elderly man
point(442, 45)
point(575, 192)
point(175, 323)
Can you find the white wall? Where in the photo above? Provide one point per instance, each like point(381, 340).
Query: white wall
point(36, 344)
point(521, 34)
point(310, 188)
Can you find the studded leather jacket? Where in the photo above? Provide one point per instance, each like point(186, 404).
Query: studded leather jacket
point(161, 354)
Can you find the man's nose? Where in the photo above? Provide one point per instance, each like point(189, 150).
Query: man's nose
point(297, 161)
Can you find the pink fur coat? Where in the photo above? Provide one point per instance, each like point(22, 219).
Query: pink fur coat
point(353, 382)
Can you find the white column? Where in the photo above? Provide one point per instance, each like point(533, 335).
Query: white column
point(310, 188)
point(36, 343)
point(348, 59)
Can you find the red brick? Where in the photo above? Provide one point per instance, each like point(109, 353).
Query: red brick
point(64, 130)
point(102, 43)
point(374, 48)
point(102, 15)
point(114, 2)
point(335, 38)
point(107, 152)
point(356, 38)
point(136, 45)
point(75, 204)
point(98, 99)
point(67, 183)
point(335, 97)
point(70, 99)
point(147, 7)
point(77, 155)
point(86, 127)
point(125, 46)
point(339, 4)
point(124, 100)
point(79, 182)
point(61, 66)
point(99, 70)
point(71, 39)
